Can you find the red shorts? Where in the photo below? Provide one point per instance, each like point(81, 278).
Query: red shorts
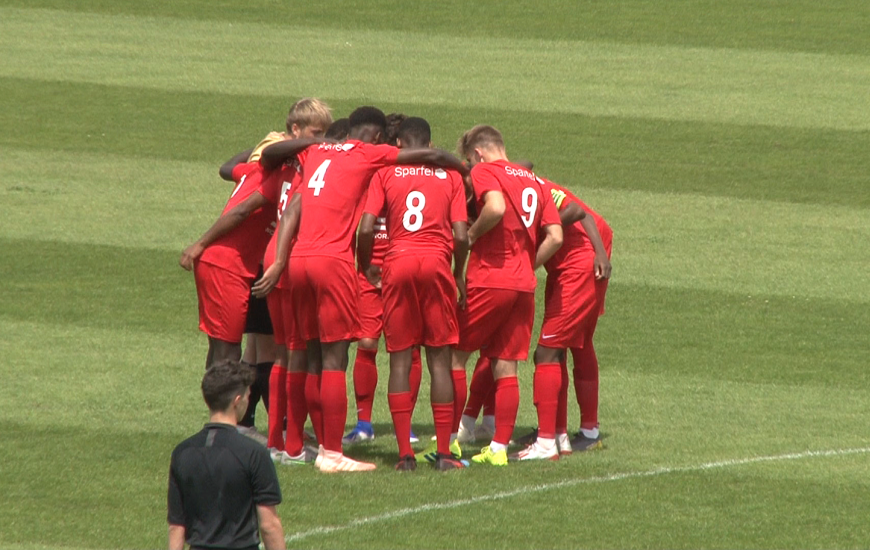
point(283, 321)
point(497, 322)
point(371, 309)
point(223, 301)
point(574, 300)
point(325, 298)
point(419, 302)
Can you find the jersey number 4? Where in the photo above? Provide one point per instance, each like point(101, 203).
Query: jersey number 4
point(318, 179)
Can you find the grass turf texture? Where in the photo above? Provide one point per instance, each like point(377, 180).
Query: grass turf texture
point(725, 141)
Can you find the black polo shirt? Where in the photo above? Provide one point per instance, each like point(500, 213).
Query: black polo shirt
point(216, 480)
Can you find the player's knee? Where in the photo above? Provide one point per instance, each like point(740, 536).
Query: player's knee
point(368, 343)
point(544, 354)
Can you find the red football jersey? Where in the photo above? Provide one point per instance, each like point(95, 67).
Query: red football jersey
point(421, 203)
point(379, 249)
point(504, 257)
point(334, 181)
point(288, 180)
point(576, 243)
point(382, 237)
point(241, 250)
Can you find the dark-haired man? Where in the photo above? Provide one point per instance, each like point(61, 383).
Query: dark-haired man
point(223, 488)
point(371, 313)
point(325, 210)
point(426, 220)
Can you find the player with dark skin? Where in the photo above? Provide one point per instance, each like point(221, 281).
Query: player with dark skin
point(220, 350)
point(438, 357)
point(334, 356)
point(328, 356)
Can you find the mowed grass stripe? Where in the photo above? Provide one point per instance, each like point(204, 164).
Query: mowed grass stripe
point(663, 82)
point(673, 240)
point(366, 528)
point(756, 162)
point(802, 25)
point(787, 340)
point(667, 498)
point(639, 438)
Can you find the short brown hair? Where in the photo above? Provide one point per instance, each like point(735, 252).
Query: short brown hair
point(309, 111)
point(225, 380)
point(481, 135)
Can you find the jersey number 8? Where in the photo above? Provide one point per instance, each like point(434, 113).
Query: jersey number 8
point(413, 218)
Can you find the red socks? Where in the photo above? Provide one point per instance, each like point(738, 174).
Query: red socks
point(401, 406)
point(312, 400)
point(297, 410)
point(333, 399)
point(548, 379)
point(482, 385)
point(365, 380)
point(459, 393)
point(278, 400)
point(507, 402)
point(562, 409)
point(442, 416)
point(586, 384)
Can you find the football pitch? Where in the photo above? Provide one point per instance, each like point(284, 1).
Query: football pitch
point(725, 142)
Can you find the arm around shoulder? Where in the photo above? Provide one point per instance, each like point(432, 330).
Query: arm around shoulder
point(226, 169)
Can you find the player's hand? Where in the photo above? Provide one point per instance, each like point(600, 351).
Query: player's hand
point(373, 274)
point(460, 288)
point(602, 267)
point(268, 281)
point(190, 254)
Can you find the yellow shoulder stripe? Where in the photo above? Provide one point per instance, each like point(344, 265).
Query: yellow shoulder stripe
point(558, 197)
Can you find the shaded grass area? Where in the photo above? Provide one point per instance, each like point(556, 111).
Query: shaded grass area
point(593, 78)
point(86, 285)
point(724, 335)
point(814, 166)
point(776, 25)
point(679, 332)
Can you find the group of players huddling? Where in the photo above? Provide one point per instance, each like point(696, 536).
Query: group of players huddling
point(345, 193)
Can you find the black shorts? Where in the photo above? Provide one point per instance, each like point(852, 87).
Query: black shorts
point(258, 320)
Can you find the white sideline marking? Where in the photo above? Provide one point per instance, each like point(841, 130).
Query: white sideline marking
point(402, 512)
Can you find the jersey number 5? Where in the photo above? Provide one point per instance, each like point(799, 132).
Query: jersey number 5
point(413, 218)
point(318, 179)
point(530, 205)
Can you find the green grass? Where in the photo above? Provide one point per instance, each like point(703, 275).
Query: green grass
point(724, 141)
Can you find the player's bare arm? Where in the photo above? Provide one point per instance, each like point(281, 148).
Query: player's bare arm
point(551, 244)
point(226, 169)
point(492, 212)
point(429, 155)
point(364, 245)
point(571, 212)
point(286, 231)
point(223, 225)
point(460, 255)
point(176, 537)
point(601, 263)
point(271, 530)
point(277, 154)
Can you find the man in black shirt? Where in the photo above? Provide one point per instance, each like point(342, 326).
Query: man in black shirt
point(223, 488)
